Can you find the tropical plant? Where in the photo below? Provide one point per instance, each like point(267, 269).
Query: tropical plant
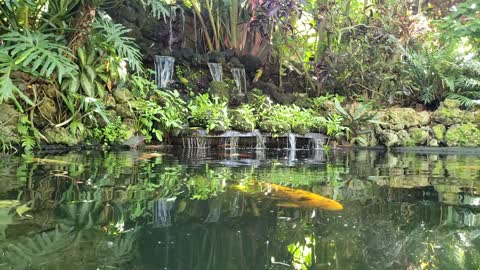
point(243, 118)
point(208, 112)
point(357, 120)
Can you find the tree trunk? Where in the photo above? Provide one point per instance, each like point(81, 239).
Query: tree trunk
point(82, 27)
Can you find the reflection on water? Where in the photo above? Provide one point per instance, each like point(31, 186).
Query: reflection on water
point(181, 210)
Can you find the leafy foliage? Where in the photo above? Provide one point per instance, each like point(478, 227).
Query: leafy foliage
point(38, 53)
point(113, 36)
point(209, 112)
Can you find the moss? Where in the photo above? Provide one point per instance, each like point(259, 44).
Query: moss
point(419, 136)
point(122, 95)
point(463, 135)
point(439, 132)
point(389, 138)
point(61, 136)
point(450, 104)
point(448, 114)
point(219, 89)
point(401, 118)
point(405, 138)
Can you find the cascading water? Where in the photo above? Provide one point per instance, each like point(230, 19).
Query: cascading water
point(260, 142)
point(216, 71)
point(171, 19)
point(161, 211)
point(292, 141)
point(163, 70)
point(240, 80)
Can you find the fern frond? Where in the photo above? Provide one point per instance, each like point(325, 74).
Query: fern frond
point(114, 35)
point(38, 53)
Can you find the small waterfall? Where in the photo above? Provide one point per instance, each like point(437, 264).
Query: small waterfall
point(292, 141)
point(216, 71)
point(161, 211)
point(316, 140)
point(240, 80)
point(171, 18)
point(163, 70)
point(260, 142)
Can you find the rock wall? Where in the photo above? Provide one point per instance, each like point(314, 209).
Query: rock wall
point(447, 126)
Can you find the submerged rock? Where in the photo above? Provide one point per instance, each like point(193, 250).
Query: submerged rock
point(463, 135)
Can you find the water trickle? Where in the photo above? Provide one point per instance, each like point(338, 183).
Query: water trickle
point(260, 141)
point(216, 71)
point(171, 18)
point(161, 211)
point(163, 70)
point(292, 141)
point(240, 80)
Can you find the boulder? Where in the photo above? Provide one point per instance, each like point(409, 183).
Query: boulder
point(401, 118)
point(439, 132)
point(450, 104)
point(405, 138)
point(60, 136)
point(424, 118)
point(9, 115)
point(463, 135)
point(389, 138)
point(122, 95)
point(124, 111)
point(9, 135)
point(419, 135)
point(433, 143)
point(449, 114)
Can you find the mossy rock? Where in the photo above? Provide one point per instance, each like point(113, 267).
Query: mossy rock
point(61, 136)
point(451, 115)
point(405, 139)
point(219, 89)
point(439, 132)
point(122, 95)
point(463, 135)
point(123, 110)
point(419, 136)
point(424, 118)
point(450, 104)
point(9, 135)
point(389, 138)
point(8, 115)
point(401, 118)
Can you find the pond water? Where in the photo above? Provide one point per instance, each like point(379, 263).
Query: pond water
point(189, 209)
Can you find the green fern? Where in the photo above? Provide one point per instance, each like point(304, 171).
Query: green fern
point(113, 35)
point(39, 54)
point(28, 134)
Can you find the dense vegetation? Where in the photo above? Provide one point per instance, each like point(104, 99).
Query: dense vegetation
point(70, 74)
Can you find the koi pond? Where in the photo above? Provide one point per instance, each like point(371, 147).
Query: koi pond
point(204, 209)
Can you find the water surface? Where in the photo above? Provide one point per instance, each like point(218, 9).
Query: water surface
point(182, 209)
